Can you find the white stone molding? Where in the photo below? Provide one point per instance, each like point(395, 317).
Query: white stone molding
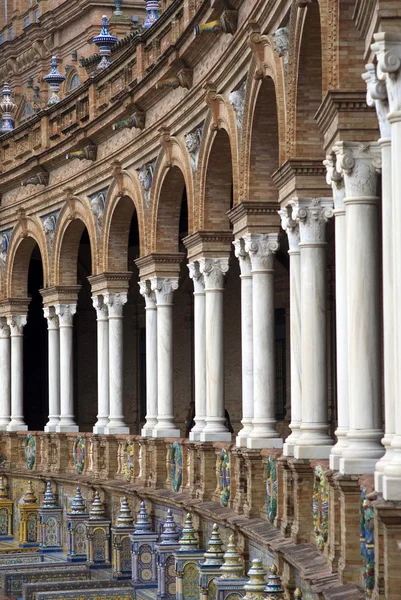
point(336, 181)
point(53, 333)
point(214, 271)
point(193, 141)
point(164, 288)
point(103, 369)
point(261, 248)
point(5, 374)
point(246, 341)
point(291, 227)
point(115, 303)
point(200, 350)
point(65, 313)
point(376, 95)
point(151, 358)
point(312, 214)
point(16, 324)
point(237, 101)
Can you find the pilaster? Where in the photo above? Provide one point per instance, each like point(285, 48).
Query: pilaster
point(350, 562)
point(302, 478)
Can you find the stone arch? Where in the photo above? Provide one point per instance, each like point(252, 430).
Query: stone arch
point(264, 105)
point(23, 240)
point(124, 198)
point(72, 221)
point(172, 174)
point(217, 180)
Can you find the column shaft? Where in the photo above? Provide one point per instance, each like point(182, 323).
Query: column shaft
point(65, 313)
point(103, 371)
point(5, 374)
point(54, 368)
point(200, 350)
point(151, 359)
point(115, 303)
point(164, 289)
point(17, 324)
point(213, 270)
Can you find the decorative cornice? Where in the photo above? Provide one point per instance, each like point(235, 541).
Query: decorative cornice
point(104, 283)
point(159, 265)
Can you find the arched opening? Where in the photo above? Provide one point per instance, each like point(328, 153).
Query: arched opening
point(219, 185)
point(309, 140)
point(35, 340)
point(169, 211)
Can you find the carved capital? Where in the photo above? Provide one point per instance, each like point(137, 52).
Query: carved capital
point(262, 248)
point(16, 324)
point(164, 288)
point(336, 181)
point(312, 214)
point(387, 48)
point(102, 311)
point(115, 303)
point(4, 328)
point(243, 257)
point(358, 163)
point(146, 291)
point(213, 270)
point(65, 313)
point(291, 227)
point(197, 277)
point(51, 317)
point(376, 96)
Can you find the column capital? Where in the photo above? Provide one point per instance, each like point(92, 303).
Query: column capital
point(376, 96)
point(146, 291)
point(213, 270)
point(243, 257)
point(164, 288)
point(262, 248)
point(358, 163)
point(291, 227)
point(100, 306)
point(312, 214)
point(65, 313)
point(51, 317)
point(336, 181)
point(16, 324)
point(4, 328)
point(115, 303)
point(387, 47)
point(197, 277)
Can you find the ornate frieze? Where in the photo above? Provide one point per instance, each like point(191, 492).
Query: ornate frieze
point(262, 248)
point(237, 101)
point(312, 214)
point(193, 141)
point(145, 176)
point(214, 271)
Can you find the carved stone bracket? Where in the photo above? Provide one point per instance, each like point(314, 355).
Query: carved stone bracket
point(88, 152)
point(40, 178)
point(258, 43)
point(183, 79)
point(214, 102)
point(136, 120)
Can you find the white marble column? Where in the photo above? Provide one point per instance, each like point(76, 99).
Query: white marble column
point(377, 96)
point(336, 181)
point(65, 313)
point(200, 350)
point(261, 249)
point(103, 372)
point(164, 290)
point(16, 324)
point(387, 48)
point(5, 374)
point(291, 227)
point(312, 214)
point(151, 358)
point(246, 342)
point(358, 163)
point(53, 336)
point(115, 303)
point(214, 270)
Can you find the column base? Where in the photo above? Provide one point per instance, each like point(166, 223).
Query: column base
point(259, 443)
point(115, 430)
point(288, 449)
point(311, 452)
point(146, 433)
point(99, 429)
point(51, 428)
point(381, 467)
point(392, 488)
point(16, 427)
point(241, 440)
point(194, 436)
point(215, 436)
point(357, 466)
point(3, 426)
point(67, 428)
point(166, 433)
